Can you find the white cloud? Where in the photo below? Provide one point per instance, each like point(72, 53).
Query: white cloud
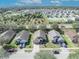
point(30, 1)
point(19, 4)
point(25, 1)
point(37, 1)
point(56, 2)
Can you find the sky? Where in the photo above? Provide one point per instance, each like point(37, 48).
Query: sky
point(11, 3)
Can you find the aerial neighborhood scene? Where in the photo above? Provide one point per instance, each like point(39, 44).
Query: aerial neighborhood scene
point(38, 29)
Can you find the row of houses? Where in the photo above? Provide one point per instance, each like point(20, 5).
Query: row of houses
point(64, 15)
point(51, 13)
point(39, 37)
point(55, 13)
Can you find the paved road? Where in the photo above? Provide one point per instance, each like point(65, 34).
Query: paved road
point(25, 55)
point(63, 54)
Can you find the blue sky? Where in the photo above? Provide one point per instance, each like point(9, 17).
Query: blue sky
point(9, 3)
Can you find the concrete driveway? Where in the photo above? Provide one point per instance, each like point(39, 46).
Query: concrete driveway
point(36, 48)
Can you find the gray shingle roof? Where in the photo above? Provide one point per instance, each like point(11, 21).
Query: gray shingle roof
point(53, 33)
point(23, 35)
point(39, 37)
point(40, 33)
point(7, 35)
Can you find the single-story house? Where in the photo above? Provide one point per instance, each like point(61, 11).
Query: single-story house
point(71, 34)
point(55, 37)
point(7, 36)
point(22, 38)
point(75, 39)
point(39, 37)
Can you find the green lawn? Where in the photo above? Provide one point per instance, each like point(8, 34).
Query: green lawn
point(44, 55)
point(13, 43)
point(69, 42)
point(30, 45)
point(74, 55)
point(50, 44)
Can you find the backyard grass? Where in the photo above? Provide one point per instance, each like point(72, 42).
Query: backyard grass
point(68, 41)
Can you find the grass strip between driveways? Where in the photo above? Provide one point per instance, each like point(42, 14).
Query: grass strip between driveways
point(68, 41)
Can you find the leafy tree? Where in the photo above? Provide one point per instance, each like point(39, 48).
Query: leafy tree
point(42, 26)
point(56, 27)
point(76, 26)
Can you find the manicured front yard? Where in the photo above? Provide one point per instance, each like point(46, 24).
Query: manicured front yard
point(50, 44)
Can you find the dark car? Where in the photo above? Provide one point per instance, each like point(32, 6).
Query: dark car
point(12, 50)
point(56, 52)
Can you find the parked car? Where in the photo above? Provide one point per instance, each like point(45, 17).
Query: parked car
point(12, 50)
point(56, 52)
